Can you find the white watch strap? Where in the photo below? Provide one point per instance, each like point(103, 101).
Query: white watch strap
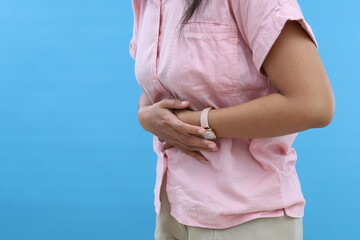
point(204, 122)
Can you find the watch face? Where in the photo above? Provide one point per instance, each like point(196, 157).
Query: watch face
point(209, 135)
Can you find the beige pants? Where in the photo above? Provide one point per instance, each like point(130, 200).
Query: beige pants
point(277, 228)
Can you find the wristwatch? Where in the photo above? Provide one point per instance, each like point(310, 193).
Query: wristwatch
point(204, 122)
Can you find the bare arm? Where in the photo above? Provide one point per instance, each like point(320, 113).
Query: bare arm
point(304, 99)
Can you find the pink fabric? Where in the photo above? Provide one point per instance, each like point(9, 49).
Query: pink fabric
point(216, 61)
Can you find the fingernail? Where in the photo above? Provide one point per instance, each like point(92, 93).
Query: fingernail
point(206, 162)
point(183, 102)
point(202, 131)
point(212, 145)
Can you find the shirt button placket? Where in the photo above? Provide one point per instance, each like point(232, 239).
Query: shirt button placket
point(157, 53)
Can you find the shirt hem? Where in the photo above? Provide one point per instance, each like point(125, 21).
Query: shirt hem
point(227, 224)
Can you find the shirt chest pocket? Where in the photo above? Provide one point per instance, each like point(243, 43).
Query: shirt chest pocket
point(203, 59)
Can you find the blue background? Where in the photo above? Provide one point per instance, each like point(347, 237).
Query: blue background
point(75, 163)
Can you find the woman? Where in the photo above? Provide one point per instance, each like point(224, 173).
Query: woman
point(227, 86)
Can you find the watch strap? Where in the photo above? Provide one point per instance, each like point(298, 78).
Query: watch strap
point(204, 122)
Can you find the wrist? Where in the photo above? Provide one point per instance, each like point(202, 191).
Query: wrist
point(189, 117)
point(204, 122)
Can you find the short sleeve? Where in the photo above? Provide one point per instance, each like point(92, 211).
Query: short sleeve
point(261, 21)
point(133, 41)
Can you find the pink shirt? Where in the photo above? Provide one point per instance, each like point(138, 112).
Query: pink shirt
point(216, 61)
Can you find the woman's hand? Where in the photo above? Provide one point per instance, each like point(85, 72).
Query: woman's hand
point(159, 119)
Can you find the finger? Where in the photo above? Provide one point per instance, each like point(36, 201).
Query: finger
point(173, 104)
point(202, 149)
point(189, 142)
point(184, 127)
point(195, 154)
point(177, 142)
point(198, 156)
point(173, 121)
point(166, 147)
point(194, 143)
point(187, 148)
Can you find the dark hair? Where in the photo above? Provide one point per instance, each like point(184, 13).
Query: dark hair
point(190, 10)
point(192, 6)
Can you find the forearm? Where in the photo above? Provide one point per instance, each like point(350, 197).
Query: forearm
point(268, 116)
